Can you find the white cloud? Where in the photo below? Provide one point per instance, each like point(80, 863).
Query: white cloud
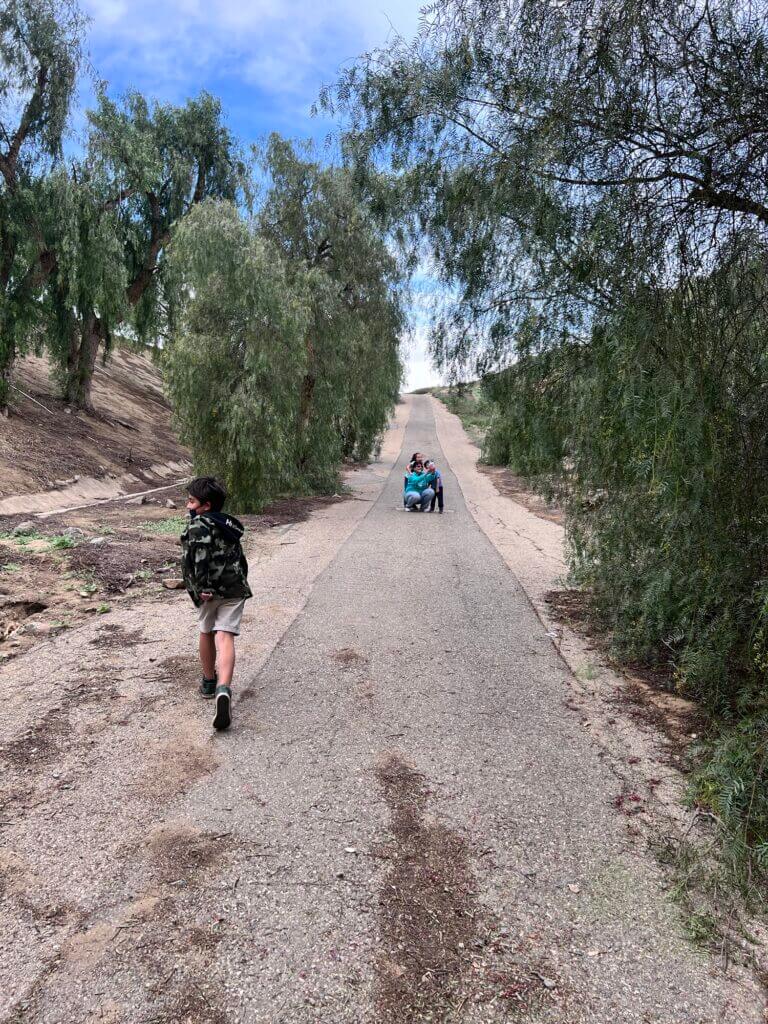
point(283, 47)
point(419, 370)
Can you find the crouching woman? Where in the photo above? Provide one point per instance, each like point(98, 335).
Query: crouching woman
point(417, 493)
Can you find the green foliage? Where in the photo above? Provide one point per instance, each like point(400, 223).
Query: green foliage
point(40, 53)
point(338, 258)
point(731, 784)
point(61, 543)
point(234, 370)
point(470, 403)
point(286, 354)
point(173, 524)
point(83, 242)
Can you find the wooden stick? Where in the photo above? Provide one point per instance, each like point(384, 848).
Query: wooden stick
point(32, 399)
point(103, 501)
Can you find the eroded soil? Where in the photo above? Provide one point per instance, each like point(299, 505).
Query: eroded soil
point(90, 561)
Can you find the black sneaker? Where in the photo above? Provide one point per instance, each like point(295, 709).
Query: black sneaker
point(208, 687)
point(223, 717)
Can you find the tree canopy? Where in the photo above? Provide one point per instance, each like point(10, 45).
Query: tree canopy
point(285, 358)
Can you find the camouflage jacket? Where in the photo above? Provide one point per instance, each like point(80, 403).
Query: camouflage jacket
point(212, 560)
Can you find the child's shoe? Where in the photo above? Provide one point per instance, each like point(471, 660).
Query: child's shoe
point(223, 717)
point(208, 687)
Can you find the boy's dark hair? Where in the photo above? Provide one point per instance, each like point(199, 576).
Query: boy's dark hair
point(208, 489)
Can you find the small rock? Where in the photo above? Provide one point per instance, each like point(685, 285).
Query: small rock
point(170, 504)
point(73, 532)
point(549, 982)
point(23, 529)
point(98, 542)
point(173, 584)
point(142, 500)
point(37, 628)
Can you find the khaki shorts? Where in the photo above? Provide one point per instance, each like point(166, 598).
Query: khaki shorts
point(221, 614)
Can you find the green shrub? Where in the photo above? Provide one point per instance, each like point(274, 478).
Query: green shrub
point(173, 524)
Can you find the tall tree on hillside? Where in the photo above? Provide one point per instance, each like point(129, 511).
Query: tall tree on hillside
point(82, 244)
point(235, 364)
point(146, 167)
point(40, 53)
point(329, 241)
point(285, 354)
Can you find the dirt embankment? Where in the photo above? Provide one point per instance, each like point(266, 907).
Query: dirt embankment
point(74, 543)
point(44, 445)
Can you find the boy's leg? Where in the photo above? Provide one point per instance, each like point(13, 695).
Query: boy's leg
point(225, 661)
point(227, 628)
point(432, 503)
point(439, 500)
point(208, 655)
point(225, 646)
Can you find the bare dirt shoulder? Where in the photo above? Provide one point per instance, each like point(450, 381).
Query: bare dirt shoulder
point(44, 445)
point(83, 564)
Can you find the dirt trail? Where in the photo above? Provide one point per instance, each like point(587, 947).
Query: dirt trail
point(406, 823)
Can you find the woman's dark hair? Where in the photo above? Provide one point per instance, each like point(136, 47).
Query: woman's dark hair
point(208, 489)
point(413, 457)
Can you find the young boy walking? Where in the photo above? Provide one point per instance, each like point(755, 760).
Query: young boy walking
point(215, 574)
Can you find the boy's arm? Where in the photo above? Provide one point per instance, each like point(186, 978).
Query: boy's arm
point(200, 560)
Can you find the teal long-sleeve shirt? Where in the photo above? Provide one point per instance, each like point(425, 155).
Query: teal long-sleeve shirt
point(418, 482)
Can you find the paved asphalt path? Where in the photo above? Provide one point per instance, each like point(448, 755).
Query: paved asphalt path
point(408, 824)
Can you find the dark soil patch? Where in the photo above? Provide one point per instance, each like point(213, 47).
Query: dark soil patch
point(181, 670)
point(192, 1008)
point(41, 745)
point(519, 489)
point(648, 694)
point(440, 953)
point(348, 656)
point(118, 565)
point(184, 853)
point(289, 510)
point(204, 938)
point(112, 636)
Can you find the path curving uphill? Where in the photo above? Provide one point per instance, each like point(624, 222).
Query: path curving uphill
point(405, 824)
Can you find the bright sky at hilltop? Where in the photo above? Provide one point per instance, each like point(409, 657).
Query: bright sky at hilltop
point(265, 59)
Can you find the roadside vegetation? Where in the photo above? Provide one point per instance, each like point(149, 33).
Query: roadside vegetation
point(468, 401)
point(276, 321)
point(590, 180)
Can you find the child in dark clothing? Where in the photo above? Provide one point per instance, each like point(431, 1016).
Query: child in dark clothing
point(437, 486)
point(215, 574)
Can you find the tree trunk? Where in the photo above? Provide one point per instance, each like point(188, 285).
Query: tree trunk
point(305, 402)
point(7, 359)
point(81, 361)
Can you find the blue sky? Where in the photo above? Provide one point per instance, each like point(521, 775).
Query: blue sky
point(265, 59)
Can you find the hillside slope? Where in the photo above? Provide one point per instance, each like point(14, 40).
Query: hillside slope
point(43, 445)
